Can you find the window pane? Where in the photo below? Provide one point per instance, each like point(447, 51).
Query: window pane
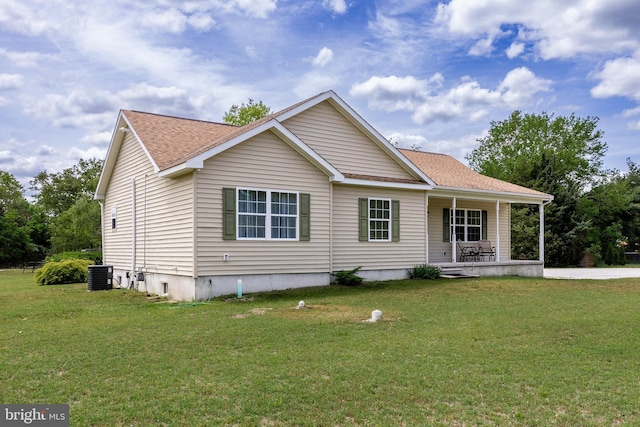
point(473, 217)
point(284, 211)
point(473, 233)
point(460, 233)
point(251, 226)
point(379, 219)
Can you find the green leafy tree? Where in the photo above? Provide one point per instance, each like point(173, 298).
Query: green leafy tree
point(559, 155)
point(78, 227)
point(15, 243)
point(246, 113)
point(57, 192)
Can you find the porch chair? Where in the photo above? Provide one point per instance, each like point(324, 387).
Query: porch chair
point(486, 250)
point(467, 253)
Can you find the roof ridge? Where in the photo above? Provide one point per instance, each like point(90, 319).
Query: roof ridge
point(168, 116)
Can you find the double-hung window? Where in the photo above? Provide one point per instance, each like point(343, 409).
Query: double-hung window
point(379, 220)
point(264, 214)
point(469, 225)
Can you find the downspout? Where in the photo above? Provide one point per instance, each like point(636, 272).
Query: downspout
point(331, 229)
point(133, 230)
point(102, 230)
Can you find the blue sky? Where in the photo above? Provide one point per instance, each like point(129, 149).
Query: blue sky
point(426, 74)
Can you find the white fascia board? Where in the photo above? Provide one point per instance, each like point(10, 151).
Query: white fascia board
point(362, 124)
point(197, 162)
point(386, 184)
point(440, 191)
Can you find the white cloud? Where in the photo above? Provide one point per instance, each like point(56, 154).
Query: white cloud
point(483, 47)
point(92, 153)
point(77, 109)
point(313, 83)
point(255, 8)
point(336, 6)
point(394, 93)
point(10, 81)
point(201, 22)
point(557, 29)
point(515, 50)
point(323, 57)
point(619, 77)
point(24, 59)
point(631, 112)
point(520, 86)
point(168, 20)
point(429, 102)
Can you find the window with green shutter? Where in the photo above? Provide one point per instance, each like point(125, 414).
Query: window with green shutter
point(266, 215)
point(378, 220)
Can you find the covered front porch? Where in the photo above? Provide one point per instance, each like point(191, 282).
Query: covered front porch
point(472, 235)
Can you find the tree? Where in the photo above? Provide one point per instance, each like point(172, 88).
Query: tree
point(14, 218)
point(78, 227)
point(245, 114)
point(561, 156)
point(57, 192)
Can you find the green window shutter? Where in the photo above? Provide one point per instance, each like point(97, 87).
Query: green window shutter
point(305, 217)
point(395, 220)
point(485, 222)
point(446, 227)
point(363, 222)
point(229, 214)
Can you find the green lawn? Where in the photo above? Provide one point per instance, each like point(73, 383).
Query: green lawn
point(490, 351)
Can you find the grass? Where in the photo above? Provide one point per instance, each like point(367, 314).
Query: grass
point(488, 351)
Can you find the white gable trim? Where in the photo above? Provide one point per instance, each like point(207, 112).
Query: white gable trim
point(355, 118)
point(117, 138)
point(274, 126)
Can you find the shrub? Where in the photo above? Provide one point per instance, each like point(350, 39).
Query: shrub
point(424, 271)
point(65, 271)
point(95, 256)
point(348, 277)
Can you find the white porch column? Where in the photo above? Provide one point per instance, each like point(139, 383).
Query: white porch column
point(497, 257)
point(452, 230)
point(541, 241)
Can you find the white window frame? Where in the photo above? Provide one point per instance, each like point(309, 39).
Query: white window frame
point(268, 215)
point(381, 220)
point(466, 225)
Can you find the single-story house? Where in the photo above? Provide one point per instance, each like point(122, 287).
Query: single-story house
point(190, 207)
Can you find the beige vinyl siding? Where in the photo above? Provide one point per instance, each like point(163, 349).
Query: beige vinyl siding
point(349, 253)
point(437, 247)
point(164, 216)
point(258, 163)
point(342, 144)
